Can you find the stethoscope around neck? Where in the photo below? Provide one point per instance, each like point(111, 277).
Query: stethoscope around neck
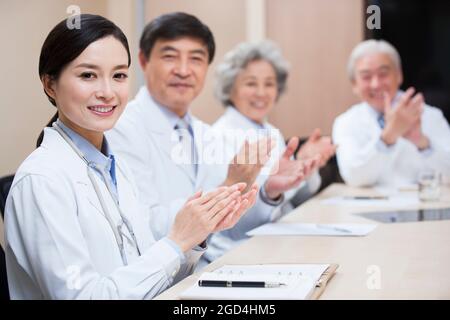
point(116, 229)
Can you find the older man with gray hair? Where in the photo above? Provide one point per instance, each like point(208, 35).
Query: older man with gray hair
point(392, 135)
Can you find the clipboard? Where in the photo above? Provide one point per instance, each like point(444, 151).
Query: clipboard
point(308, 285)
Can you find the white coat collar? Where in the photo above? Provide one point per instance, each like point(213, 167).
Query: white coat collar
point(151, 112)
point(53, 141)
point(68, 158)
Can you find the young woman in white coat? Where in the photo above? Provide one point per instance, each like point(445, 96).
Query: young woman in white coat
point(74, 226)
point(250, 81)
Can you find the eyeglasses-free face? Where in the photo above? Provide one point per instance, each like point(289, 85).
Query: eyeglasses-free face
point(175, 72)
point(375, 74)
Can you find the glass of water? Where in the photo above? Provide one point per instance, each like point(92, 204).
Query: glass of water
point(429, 185)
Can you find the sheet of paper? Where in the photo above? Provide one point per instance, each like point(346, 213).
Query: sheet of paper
point(398, 200)
point(313, 229)
point(300, 280)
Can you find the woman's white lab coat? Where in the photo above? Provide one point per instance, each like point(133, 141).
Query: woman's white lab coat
point(59, 244)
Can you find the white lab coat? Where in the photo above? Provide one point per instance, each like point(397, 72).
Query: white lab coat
point(59, 244)
point(364, 160)
point(144, 137)
point(232, 123)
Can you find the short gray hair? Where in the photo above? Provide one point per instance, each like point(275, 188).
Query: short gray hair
point(237, 60)
point(372, 46)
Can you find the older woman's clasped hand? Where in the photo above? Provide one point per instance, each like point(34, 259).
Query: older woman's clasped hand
point(317, 145)
point(287, 173)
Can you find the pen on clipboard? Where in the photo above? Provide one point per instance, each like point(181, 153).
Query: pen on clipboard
point(240, 284)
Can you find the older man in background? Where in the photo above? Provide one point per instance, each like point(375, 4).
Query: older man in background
point(392, 135)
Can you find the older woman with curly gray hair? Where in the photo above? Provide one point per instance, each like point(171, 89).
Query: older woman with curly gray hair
point(250, 81)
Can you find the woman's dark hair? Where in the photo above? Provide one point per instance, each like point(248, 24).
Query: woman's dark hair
point(173, 26)
point(65, 43)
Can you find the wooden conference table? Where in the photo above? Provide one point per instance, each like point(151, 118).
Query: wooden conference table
point(395, 261)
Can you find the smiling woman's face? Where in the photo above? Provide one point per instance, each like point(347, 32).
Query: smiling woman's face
point(92, 91)
point(255, 90)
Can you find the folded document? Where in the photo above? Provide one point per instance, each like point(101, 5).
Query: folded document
point(313, 229)
point(393, 201)
point(300, 281)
